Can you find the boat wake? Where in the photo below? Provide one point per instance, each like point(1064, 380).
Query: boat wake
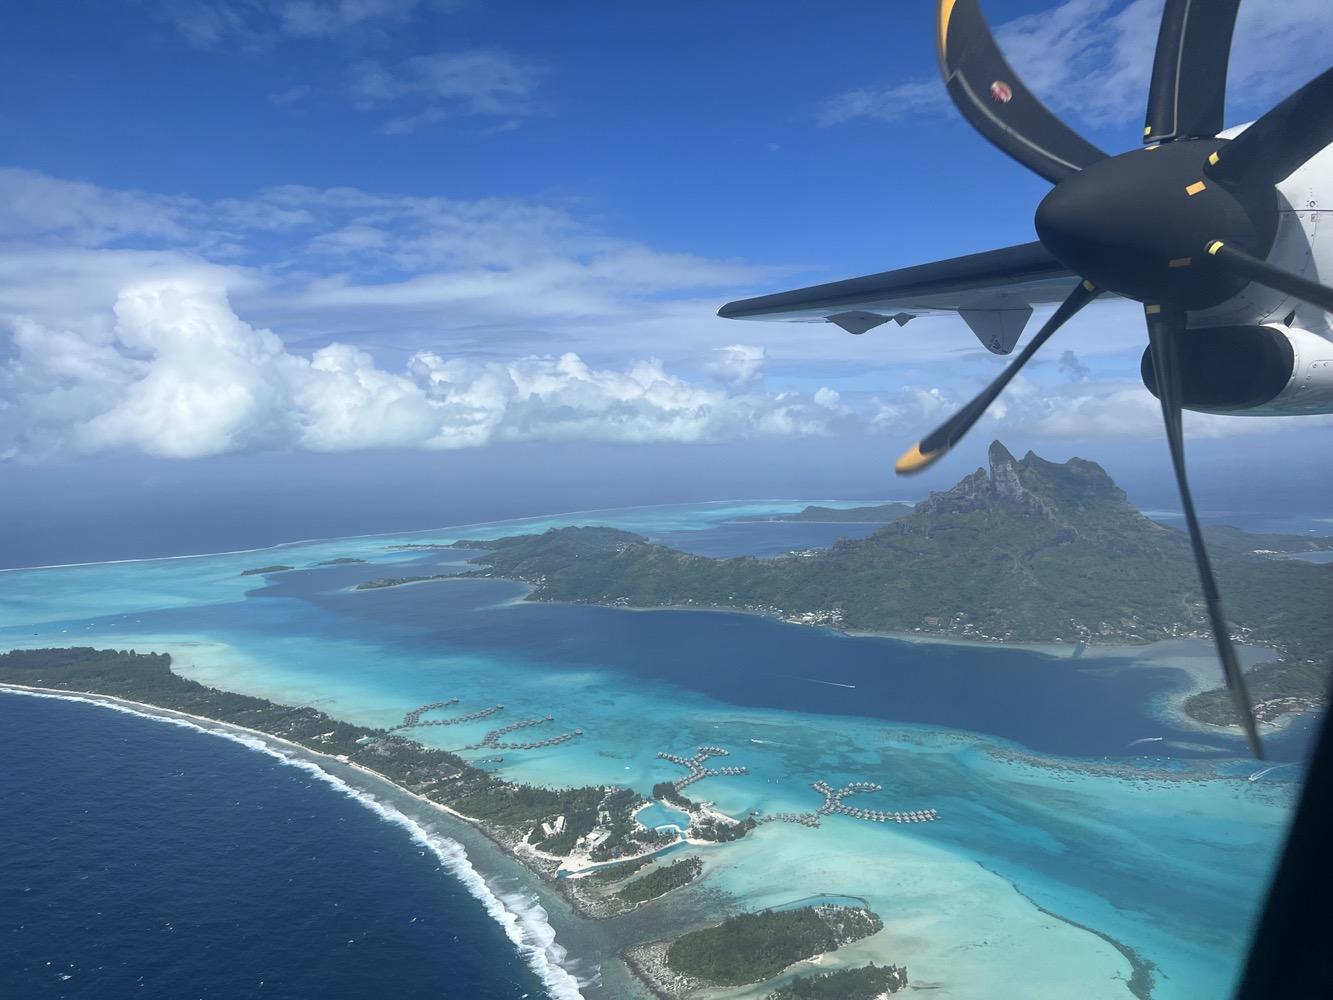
point(836, 684)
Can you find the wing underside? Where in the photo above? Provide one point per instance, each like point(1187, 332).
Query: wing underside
point(994, 292)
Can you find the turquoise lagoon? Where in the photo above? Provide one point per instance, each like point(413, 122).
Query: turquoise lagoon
point(1064, 858)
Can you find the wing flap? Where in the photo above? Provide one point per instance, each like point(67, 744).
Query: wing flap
point(1007, 279)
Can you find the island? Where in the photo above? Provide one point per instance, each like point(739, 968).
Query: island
point(752, 948)
point(566, 836)
point(875, 514)
point(1026, 551)
point(400, 581)
point(870, 982)
point(965, 563)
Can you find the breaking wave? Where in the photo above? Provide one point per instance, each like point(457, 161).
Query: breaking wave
point(520, 914)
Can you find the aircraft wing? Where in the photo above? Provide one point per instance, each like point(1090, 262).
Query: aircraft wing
point(993, 292)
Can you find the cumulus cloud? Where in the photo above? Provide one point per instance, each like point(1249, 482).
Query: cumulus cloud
point(341, 263)
point(180, 375)
point(735, 364)
point(1075, 411)
point(335, 319)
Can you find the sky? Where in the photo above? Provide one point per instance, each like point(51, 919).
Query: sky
point(471, 253)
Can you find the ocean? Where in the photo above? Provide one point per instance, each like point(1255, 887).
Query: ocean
point(1077, 814)
point(143, 859)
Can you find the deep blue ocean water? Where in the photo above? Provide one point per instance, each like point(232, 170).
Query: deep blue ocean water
point(150, 860)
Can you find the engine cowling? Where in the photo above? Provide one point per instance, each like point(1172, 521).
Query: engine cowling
point(1251, 370)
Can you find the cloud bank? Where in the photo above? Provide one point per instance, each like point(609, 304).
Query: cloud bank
point(180, 375)
point(336, 319)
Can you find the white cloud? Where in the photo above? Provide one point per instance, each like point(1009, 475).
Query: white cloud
point(380, 321)
point(326, 18)
point(257, 24)
point(1090, 61)
point(36, 207)
point(179, 375)
point(735, 364)
point(340, 259)
point(1075, 411)
point(886, 104)
point(475, 82)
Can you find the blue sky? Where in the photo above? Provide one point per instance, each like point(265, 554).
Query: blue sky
point(401, 230)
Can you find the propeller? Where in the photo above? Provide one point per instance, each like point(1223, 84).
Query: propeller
point(1183, 224)
point(1189, 72)
point(938, 443)
point(1165, 326)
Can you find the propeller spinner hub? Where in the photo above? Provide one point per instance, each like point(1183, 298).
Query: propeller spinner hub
point(1137, 224)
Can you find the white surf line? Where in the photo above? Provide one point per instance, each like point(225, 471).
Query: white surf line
point(1147, 739)
point(835, 684)
point(520, 915)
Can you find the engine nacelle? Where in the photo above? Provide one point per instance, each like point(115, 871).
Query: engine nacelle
point(1251, 370)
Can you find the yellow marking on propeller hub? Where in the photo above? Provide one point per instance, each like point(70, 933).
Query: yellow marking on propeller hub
point(1195, 188)
point(1147, 130)
point(915, 460)
point(1213, 158)
point(1152, 310)
point(1089, 286)
point(946, 11)
point(1180, 262)
point(1215, 246)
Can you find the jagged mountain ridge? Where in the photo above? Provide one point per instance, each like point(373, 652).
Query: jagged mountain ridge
point(1026, 550)
point(1029, 549)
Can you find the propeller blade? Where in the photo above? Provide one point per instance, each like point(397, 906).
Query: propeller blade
point(941, 440)
point(1164, 326)
point(1240, 263)
point(1189, 72)
point(991, 97)
point(1282, 140)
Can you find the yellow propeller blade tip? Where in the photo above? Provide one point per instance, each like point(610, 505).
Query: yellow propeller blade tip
point(915, 460)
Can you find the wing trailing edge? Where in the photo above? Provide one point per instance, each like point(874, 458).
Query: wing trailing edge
point(994, 292)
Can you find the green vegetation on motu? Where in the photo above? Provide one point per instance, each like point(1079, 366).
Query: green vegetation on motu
point(720, 831)
point(258, 570)
point(1033, 551)
point(752, 947)
point(148, 678)
point(877, 514)
point(614, 873)
point(583, 809)
point(1270, 683)
point(703, 827)
point(660, 881)
point(667, 791)
point(866, 983)
point(399, 581)
point(438, 775)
